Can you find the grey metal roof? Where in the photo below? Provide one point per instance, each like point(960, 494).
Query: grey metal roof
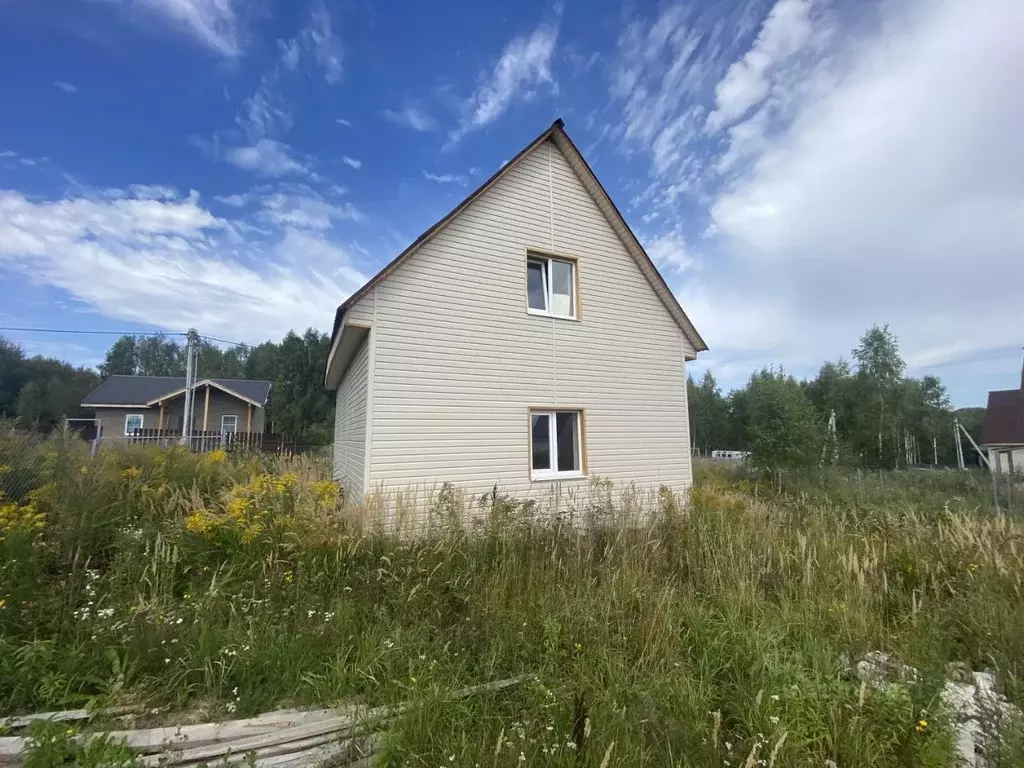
point(139, 390)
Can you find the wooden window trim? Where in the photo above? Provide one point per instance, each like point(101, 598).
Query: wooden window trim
point(541, 253)
point(582, 438)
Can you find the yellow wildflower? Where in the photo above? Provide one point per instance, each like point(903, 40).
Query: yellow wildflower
point(83, 470)
point(326, 492)
point(237, 508)
point(4, 469)
point(3, 603)
point(201, 522)
point(289, 577)
point(922, 726)
point(216, 456)
point(130, 473)
point(285, 482)
point(251, 533)
point(24, 519)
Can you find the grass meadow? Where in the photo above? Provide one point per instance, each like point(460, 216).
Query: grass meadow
point(720, 632)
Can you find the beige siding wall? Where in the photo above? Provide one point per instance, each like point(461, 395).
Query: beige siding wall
point(350, 425)
point(459, 361)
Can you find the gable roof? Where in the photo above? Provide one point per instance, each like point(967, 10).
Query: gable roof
point(556, 133)
point(1004, 418)
point(121, 391)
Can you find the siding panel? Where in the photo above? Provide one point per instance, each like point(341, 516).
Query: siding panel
point(350, 425)
point(458, 360)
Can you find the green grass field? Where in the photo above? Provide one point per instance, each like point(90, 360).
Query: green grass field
point(718, 633)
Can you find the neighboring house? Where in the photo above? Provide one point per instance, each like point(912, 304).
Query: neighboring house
point(1002, 436)
point(124, 404)
point(526, 340)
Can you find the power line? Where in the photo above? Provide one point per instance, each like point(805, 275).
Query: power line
point(225, 341)
point(106, 333)
point(121, 333)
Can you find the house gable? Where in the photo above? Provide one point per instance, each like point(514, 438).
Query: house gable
point(568, 170)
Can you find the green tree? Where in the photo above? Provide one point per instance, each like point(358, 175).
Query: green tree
point(878, 385)
point(159, 356)
point(121, 359)
point(783, 425)
point(709, 414)
point(13, 376)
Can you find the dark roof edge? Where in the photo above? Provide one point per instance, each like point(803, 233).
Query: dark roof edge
point(699, 345)
point(427, 234)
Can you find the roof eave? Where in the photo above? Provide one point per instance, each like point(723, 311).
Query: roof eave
point(427, 235)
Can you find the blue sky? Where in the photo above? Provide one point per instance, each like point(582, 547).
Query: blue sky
point(798, 169)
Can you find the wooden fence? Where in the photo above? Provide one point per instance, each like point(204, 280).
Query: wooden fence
point(208, 440)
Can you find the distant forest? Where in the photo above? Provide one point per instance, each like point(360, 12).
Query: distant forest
point(882, 417)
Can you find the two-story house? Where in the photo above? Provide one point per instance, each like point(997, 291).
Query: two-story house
point(524, 340)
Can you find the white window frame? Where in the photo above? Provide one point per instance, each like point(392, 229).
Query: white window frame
point(553, 473)
point(547, 261)
point(142, 422)
point(233, 416)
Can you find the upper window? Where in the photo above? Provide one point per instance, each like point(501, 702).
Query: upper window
point(551, 286)
point(132, 422)
point(228, 423)
point(556, 444)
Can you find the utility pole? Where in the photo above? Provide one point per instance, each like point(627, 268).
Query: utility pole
point(191, 360)
point(958, 445)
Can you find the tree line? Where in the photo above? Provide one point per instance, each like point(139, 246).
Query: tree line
point(883, 418)
point(40, 391)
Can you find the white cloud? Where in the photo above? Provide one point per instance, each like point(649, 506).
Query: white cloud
point(785, 32)
point(8, 153)
point(291, 52)
point(174, 264)
point(524, 65)
point(66, 87)
point(343, 121)
point(446, 178)
point(669, 252)
point(325, 46)
point(267, 158)
point(153, 192)
point(213, 23)
point(352, 162)
point(235, 201)
point(306, 211)
point(661, 69)
point(265, 113)
point(886, 199)
point(410, 117)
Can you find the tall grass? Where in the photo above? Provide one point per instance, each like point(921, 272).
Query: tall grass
point(717, 633)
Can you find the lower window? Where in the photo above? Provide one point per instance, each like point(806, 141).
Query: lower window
point(132, 422)
point(228, 423)
point(556, 444)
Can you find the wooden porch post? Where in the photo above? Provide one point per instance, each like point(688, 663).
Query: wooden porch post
point(248, 423)
point(160, 421)
point(206, 407)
